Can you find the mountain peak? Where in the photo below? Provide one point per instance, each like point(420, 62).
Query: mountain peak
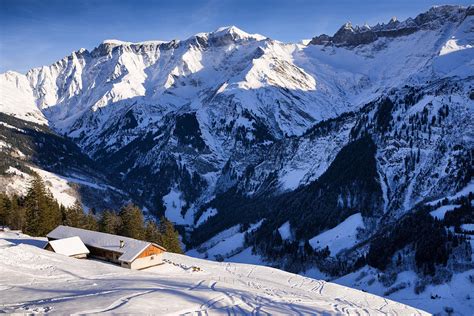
point(347, 26)
point(229, 29)
point(236, 33)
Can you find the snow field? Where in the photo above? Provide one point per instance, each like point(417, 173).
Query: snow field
point(441, 211)
point(174, 204)
point(35, 280)
point(434, 299)
point(285, 231)
point(340, 237)
point(229, 245)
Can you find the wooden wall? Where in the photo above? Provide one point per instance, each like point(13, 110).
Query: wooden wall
point(104, 254)
point(151, 250)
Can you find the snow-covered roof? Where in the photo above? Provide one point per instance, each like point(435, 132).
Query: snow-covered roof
point(131, 249)
point(70, 246)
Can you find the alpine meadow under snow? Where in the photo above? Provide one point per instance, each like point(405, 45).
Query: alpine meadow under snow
point(346, 158)
point(37, 281)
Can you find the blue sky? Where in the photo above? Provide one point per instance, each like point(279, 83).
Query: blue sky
point(39, 32)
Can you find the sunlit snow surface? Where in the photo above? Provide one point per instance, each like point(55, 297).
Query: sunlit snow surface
point(17, 98)
point(35, 280)
point(63, 188)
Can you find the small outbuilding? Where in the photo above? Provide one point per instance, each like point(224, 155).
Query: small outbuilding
point(127, 252)
point(71, 247)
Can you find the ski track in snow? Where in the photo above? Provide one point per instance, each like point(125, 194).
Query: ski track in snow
point(116, 304)
point(47, 282)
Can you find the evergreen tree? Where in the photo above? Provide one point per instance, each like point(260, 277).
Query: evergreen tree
point(109, 222)
point(152, 234)
point(42, 211)
point(90, 222)
point(132, 222)
point(73, 215)
point(33, 206)
point(63, 210)
point(38, 212)
point(170, 236)
point(4, 210)
point(308, 249)
point(16, 216)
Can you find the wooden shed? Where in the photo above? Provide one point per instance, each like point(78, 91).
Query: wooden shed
point(128, 252)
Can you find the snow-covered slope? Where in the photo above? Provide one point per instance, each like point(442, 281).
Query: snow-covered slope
point(34, 280)
point(340, 237)
point(17, 99)
point(58, 186)
point(438, 299)
point(29, 149)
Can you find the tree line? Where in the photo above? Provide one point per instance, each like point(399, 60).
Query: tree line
point(432, 242)
point(37, 213)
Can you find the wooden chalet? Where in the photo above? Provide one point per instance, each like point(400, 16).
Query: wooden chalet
point(127, 252)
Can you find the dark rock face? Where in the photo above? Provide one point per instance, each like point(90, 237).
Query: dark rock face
point(470, 11)
point(349, 35)
point(322, 39)
point(354, 37)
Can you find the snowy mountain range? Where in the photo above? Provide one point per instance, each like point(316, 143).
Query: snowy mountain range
point(236, 136)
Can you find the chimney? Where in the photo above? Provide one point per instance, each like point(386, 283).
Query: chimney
point(122, 244)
